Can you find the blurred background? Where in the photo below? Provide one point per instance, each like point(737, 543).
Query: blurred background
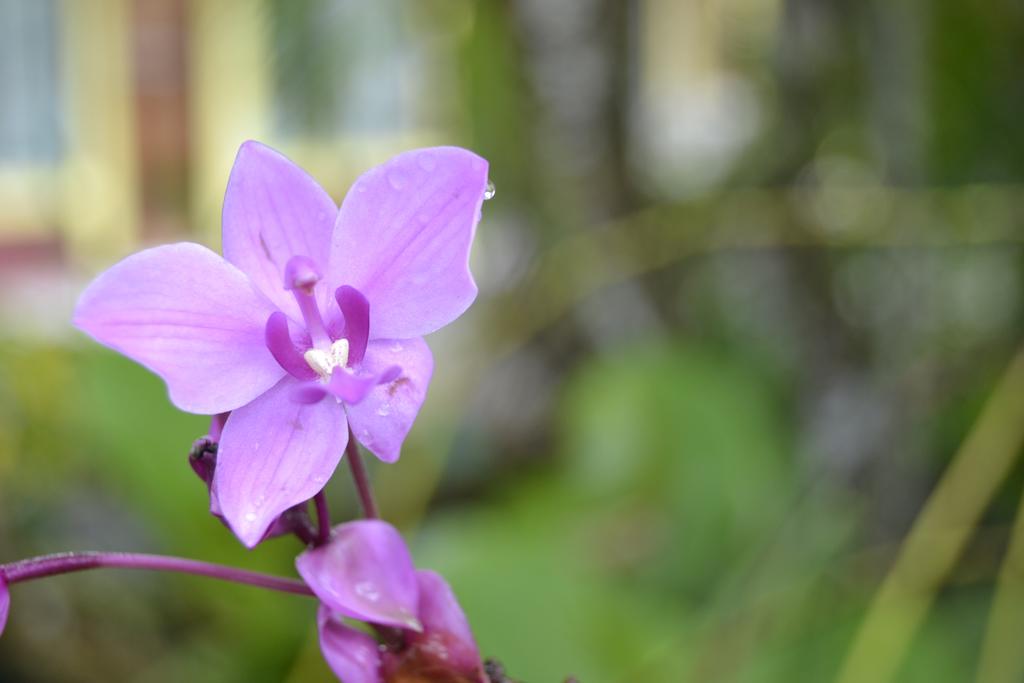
point(738, 399)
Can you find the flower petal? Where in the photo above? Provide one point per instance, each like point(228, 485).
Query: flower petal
point(352, 655)
point(349, 387)
point(5, 604)
point(364, 572)
point(279, 342)
point(309, 392)
point(275, 453)
point(356, 310)
point(382, 419)
point(445, 625)
point(403, 235)
point(274, 210)
point(189, 316)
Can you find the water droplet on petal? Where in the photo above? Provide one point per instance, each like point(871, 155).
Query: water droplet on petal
point(397, 179)
point(250, 516)
point(426, 161)
point(384, 409)
point(490, 191)
point(365, 437)
point(396, 347)
point(367, 590)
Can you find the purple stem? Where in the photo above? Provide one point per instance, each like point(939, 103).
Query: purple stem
point(64, 563)
point(323, 519)
point(355, 463)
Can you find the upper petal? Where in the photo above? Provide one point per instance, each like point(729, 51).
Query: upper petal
point(403, 235)
point(275, 453)
point(5, 604)
point(189, 316)
point(364, 572)
point(384, 417)
point(352, 655)
point(274, 210)
point(445, 627)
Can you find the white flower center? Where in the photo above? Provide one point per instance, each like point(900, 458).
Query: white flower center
point(323, 362)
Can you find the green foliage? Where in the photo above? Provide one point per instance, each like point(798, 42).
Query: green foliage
point(97, 431)
point(663, 524)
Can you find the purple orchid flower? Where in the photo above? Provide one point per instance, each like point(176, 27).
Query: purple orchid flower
point(5, 604)
point(365, 572)
point(311, 324)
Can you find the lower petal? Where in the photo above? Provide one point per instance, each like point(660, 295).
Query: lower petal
point(275, 453)
point(382, 420)
point(352, 655)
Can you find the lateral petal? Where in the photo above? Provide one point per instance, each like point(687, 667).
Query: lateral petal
point(352, 655)
point(275, 453)
point(274, 210)
point(384, 417)
point(403, 235)
point(365, 572)
point(189, 316)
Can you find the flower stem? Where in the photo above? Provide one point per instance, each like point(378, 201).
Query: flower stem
point(362, 482)
point(323, 519)
point(64, 563)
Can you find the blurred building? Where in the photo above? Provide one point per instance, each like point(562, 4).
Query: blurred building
point(121, 117)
